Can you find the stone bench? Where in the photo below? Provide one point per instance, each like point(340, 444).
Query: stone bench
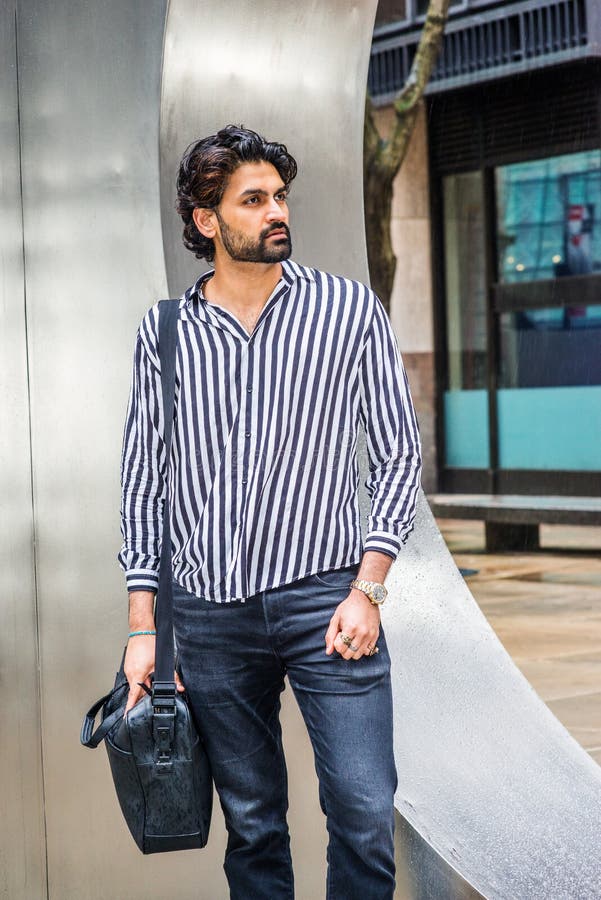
point(511, 520)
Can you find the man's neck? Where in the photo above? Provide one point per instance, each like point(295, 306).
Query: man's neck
point(242, 286)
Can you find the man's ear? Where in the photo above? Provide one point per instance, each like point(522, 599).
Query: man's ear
point(204, 219)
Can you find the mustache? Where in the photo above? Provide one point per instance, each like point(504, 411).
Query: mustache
point(278, 226)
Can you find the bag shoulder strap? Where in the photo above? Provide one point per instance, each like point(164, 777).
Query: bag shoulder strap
point(165, 654)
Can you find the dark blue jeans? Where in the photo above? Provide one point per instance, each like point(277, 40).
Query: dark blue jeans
point(234, 657)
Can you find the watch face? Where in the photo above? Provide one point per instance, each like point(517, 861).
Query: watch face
point(379, 592)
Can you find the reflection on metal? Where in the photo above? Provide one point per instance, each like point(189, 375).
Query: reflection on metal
point(89, 80)
point(423, 874)
point(295, 72)
point(22, 851)
point(496, 799)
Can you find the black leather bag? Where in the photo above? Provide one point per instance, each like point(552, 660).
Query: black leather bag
point(159, 766)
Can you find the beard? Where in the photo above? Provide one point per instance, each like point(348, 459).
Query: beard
point(241, 248)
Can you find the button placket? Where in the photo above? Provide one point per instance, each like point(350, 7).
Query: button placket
point(246, 417)
point(245, 445)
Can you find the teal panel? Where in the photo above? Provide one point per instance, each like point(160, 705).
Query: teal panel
point(550, 428)
point(466, 429)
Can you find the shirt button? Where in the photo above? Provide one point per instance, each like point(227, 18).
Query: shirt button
point(248, 434)
point(249, 390)
point(244, 481)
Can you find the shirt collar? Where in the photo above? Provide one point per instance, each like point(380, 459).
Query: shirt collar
point(195, 291)
point(291, 272)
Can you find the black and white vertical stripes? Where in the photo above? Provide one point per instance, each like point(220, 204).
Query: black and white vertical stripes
point(264, 472)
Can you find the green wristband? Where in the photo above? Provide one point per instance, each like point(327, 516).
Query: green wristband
point(136, 633)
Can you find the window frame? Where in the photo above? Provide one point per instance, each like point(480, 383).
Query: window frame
point(567, 290)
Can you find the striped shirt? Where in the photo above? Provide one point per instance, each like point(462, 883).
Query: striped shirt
point(264, 471)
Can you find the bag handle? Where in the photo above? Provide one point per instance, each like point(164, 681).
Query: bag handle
point(164, 685)
point(91, 738)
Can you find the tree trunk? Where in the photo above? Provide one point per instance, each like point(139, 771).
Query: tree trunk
point(380, 255)
point(383, 158)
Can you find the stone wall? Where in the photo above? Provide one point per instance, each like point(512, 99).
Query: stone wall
point(412, 301)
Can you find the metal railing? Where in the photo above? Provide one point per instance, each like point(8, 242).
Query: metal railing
point(513, 38)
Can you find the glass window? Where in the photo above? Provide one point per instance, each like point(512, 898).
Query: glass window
point(391, 11)
point(465, 281)
point(549, 402)
point(551, 347)
point(548, 217)
point(466, 409)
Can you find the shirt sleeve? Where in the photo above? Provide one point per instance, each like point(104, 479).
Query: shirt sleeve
point(393, 442)
point(143, 466)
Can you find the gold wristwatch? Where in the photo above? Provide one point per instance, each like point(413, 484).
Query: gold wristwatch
point(376, 592)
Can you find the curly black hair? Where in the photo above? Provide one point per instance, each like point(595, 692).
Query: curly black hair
point(206, 167)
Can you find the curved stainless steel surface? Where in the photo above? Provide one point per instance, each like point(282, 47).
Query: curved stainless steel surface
point(22, 848)
point(487, 775)
point(89, 89)
point(497, 799)
point(293, 71)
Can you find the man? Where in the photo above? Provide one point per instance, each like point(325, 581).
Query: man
point(277, 365)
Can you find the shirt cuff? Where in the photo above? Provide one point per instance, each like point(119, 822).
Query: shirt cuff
point(383, 542)
point(141, 580)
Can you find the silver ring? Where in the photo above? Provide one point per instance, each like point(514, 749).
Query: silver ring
point(348, 642)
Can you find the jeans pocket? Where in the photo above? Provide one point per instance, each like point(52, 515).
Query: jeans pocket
point(337, 578)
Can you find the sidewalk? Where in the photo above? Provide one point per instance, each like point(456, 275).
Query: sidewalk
point(545, 608)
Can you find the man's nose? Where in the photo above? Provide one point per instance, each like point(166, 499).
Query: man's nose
point(276, 211)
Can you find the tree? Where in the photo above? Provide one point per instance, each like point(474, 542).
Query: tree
point(382, 158)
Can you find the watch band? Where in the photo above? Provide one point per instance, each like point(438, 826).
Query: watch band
point(375, 591)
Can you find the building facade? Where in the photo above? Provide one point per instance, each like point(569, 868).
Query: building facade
point(497, 230)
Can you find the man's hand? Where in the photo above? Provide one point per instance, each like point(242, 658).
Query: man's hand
point(357, 618)
point(139, 663)
point(138, 666)
point(139, 656)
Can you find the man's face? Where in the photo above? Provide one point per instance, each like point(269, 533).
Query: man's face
point(252, 218)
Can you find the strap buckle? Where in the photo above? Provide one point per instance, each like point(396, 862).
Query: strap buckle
point(163, 723)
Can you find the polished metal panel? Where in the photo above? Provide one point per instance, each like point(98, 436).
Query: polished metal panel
point(22, 848)
point(295, 72)
point(89, 87)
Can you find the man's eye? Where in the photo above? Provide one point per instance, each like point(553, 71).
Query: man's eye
point(252, 201)
point(282, 198)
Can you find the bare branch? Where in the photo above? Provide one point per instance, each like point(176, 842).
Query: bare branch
point(372, 142)
point(405, 104)
point(383, 158)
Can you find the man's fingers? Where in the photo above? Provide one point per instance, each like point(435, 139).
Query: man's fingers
point(367, 644)
point(360, 646)
point(178, 683)
point(331, 633)
point(135, 694)
point(342, 646)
